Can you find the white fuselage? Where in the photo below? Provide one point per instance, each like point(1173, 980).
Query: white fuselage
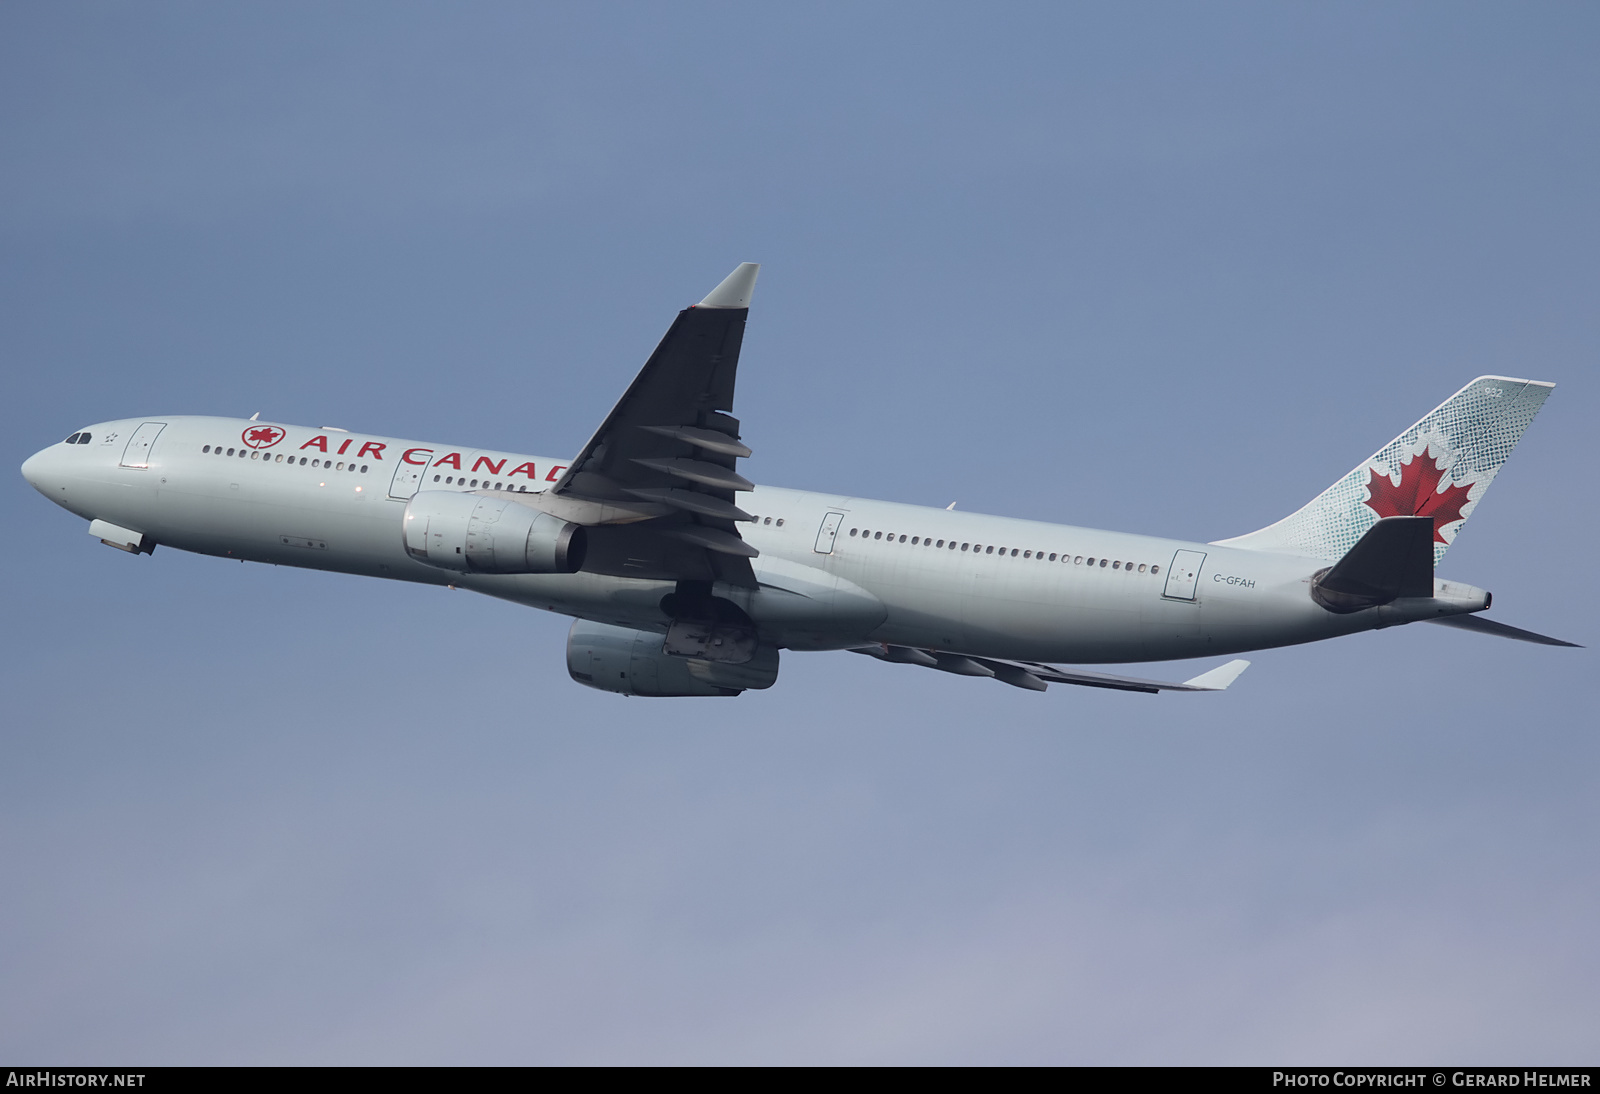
point(834, 571)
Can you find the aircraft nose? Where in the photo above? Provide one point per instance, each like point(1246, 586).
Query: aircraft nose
point(37, 469)
point(31, 468)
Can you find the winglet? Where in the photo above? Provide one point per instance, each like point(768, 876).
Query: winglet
point(735, 290)
point(1218, 678)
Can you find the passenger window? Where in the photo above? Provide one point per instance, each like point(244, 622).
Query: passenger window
point(902, 539)
point(1052, 556)
point(363, 469)
point(230, 451)
point(207, 448)
point(913, 541)
point(1102, 564)
point(1141, 567)
point(1155, 569)
point(780, 522)
point(1013, 552)
point(302, 461)
point(991, 549)
point(939, 544)
point(769, 521)
point(852, 531)
point(1116, 565)
point(1027, 554)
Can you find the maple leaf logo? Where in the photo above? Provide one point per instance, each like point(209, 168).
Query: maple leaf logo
point(262, 436)
point(1418, 494)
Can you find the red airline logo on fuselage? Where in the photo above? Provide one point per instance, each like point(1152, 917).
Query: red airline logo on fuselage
point(262, 436)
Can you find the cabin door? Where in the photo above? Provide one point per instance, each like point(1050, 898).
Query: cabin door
point(137, 454)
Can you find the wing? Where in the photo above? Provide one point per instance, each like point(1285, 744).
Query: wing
point(1036, 677)
point(655, 485)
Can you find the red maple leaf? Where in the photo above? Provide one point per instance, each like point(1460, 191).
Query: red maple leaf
point(1418, 494)
point(265, 435)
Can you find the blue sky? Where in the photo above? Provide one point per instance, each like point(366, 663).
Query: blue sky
point(1163, 268)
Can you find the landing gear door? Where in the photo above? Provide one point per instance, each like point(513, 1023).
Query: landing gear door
point(137, 454)
point(407, 479)
point(1183, 574)
point(826, 534)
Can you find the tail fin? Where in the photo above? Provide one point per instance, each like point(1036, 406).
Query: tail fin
point(1440, 467)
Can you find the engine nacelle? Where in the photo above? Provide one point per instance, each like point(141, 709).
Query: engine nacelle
point(473, 534)
point(631, 662)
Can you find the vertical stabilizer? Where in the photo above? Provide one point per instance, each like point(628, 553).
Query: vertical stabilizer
point(1440, 467)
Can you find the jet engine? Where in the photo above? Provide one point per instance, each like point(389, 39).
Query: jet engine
point(473, 534)
point(632, 662)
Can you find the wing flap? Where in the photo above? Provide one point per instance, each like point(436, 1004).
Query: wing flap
point(1033, 676)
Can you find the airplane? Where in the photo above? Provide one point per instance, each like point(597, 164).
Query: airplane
point(686, 579)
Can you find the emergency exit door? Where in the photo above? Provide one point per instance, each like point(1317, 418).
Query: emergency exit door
point(1183, 574)
point(407, 479)
point(826, 534)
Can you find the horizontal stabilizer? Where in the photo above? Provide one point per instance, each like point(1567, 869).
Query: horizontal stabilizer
point(1502, 630)
point(1393, 559)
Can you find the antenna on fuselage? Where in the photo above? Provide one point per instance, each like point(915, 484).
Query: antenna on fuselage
point(949, 507)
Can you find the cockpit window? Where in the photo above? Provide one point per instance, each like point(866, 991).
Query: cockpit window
point(78, 438)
